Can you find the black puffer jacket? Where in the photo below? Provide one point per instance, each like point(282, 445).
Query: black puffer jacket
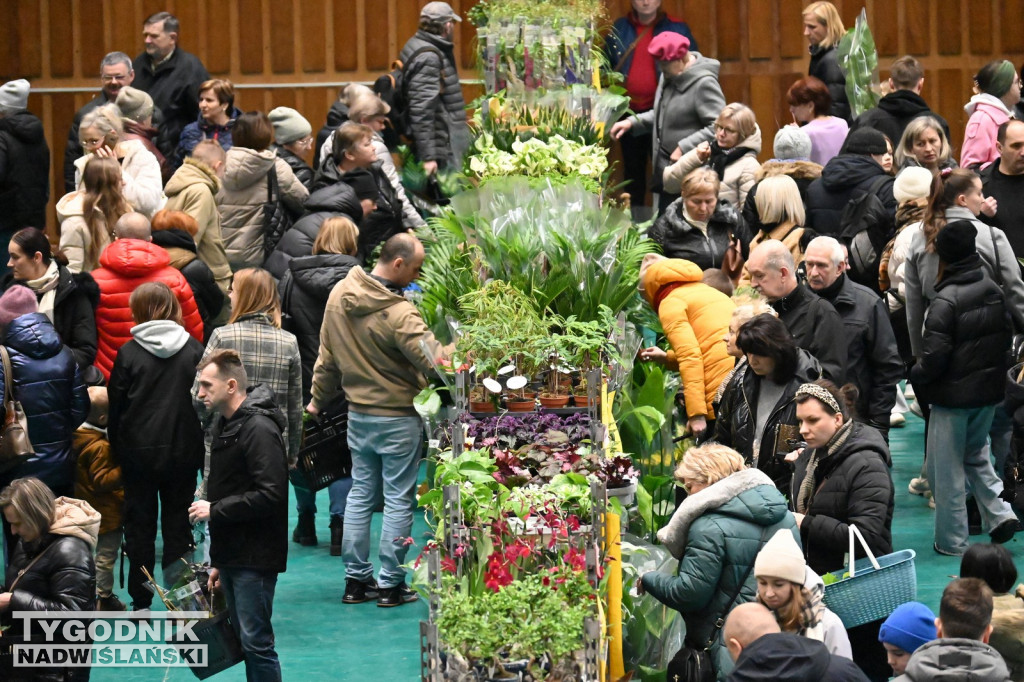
point(894, 112)
point(336, 115)
point(209, 297)
point(843, 178)
point(301, 169)
point(304, 290)
point(329, 201)
point(24, 172)
point(817, 328)
point(174, 87)
point(967, 333)
point(64, 579)
point(248, 486)
point(74, 312)
point(737, 419)
point(825, 66)
point(679, 239)
point(852, 485)
point(785, 656)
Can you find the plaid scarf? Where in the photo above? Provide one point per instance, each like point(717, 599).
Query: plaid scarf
point(814, 607)
point(806, 493)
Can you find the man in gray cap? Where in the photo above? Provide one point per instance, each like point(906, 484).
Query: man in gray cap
point(436, 106)
point(24, 166)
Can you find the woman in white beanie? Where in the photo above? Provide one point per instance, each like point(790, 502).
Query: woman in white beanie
point(924, 143)
point(795, 594)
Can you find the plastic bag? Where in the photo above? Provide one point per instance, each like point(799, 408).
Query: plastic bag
point(652, 631)
point(858, 60)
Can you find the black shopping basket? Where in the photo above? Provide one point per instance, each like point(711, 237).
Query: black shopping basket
point(223, 648)
point(324, 457)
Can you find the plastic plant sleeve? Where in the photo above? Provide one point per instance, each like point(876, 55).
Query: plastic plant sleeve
point(858, 60)
point(653, 632)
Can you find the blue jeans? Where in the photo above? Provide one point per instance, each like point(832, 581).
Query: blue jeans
point(958, 455)
point(385, 460)
point(305, 500)
point(250, 597)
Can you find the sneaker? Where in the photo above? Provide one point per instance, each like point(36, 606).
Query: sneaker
point(109, 603)
point(396, 596)
point(946, 553)
point(915, 408)
point(897, 420)
point(908, 392)
point(919, 486)
point(931, 502)
point(1005, 531)
point(357, 591)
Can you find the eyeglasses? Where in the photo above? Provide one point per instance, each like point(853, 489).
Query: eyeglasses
point(114, 79)
point(731, 131)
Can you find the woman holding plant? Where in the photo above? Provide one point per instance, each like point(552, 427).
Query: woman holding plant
point(823, 29)
point(729, 514)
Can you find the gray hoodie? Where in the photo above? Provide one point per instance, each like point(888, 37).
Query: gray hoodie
point(162, 338)
point(955, 660)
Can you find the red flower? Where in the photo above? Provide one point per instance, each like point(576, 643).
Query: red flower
point(576, 559)
point(448, 564)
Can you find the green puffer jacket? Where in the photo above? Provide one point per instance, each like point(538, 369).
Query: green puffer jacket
point(716, 534)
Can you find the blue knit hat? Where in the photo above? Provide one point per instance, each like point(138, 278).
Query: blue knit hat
point(908, 627)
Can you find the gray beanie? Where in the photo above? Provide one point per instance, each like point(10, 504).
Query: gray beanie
point(791, 142)
point(289, 125)
point(913, 182)
point(134, 104)
point(14, 95)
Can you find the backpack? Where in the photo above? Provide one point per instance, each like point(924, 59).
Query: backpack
point(391, 88)
point(865, 226)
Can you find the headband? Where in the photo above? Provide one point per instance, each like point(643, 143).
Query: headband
point(822, 394)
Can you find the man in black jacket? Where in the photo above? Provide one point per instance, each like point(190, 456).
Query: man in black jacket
point(903, 103)
point(873, 362)
point(1004, 181)
point(247, 506)
point(814, 323)
point(171, 76)
point(24, 165)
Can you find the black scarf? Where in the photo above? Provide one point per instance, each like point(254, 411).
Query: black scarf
point(720, 158)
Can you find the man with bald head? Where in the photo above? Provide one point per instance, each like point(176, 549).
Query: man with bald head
point(762, 652)
point(873, 361)
point(133, 259)
point(814, 323)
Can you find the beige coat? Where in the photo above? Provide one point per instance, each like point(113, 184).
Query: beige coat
point(140, 171)
point(241, 197)
point(739, 175)
point(193, 189)
point(75, 239)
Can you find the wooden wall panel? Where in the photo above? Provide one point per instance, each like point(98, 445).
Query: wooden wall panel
point(312, 47)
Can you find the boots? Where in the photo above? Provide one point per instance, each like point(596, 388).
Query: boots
point(337, 533)
point(305, 531)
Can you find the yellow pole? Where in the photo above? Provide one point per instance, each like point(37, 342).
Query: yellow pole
point(613, 566)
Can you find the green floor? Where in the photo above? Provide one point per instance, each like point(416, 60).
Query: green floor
point(321, 639)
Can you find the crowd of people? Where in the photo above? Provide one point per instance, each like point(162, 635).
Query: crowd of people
point(209, 283)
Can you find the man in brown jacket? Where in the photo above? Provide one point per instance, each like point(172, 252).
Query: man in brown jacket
point(372, 347)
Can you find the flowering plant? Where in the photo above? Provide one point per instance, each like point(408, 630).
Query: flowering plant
point(537, 158)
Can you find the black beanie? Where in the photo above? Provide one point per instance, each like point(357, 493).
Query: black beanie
point(955, 241)
point(362, 183)
point(865, 141)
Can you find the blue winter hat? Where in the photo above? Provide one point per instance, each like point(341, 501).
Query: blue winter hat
point(908, 627)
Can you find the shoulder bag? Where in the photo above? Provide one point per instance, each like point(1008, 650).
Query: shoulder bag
point(693, 663)
point(15, 446)
point(276, 218)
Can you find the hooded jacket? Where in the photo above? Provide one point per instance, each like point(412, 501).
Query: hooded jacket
point(193, 189)
point(802, 172)
point(955, 660)
point(331, 201)
point(125, 265)
point(829, 630)
point(825, 66)
point(143, 184)
point(64, 578)
point(304, 290)
point(843, 178)
point(716, 534)
point(967, 334)
point(684, 113)
point(336, 115)
point(737, 419)
point(74, 312)
point(174, 87)
point(678, 238)
point(852, 485)
point(894, 112)
point(75, 237)
point(986, 114)
point(48, 384)
point(149, 392)
point(739, 174)
point(181, 249)
point(98, 481)
point(695, 318)
point(921, 270)
point(370, 348)
point(436, 107)
point(241, 197)
point(24, 172)
point(792, 658)
point(248, 487)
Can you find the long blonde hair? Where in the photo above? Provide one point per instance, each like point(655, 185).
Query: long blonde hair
point(828, 16)
point(101, 180)
point(255, 292)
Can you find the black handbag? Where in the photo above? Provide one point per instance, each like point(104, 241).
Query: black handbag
point(276, 218)
point(693, 663)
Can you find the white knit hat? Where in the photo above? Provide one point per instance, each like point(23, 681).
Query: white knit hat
point(781, 557)
point(14, 95)
point(913, 182)
point(289, 125)
point(792, 142)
